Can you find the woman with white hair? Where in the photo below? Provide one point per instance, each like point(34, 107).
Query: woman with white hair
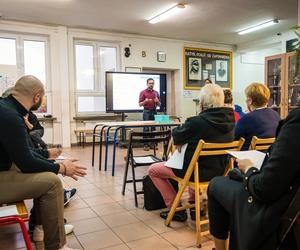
point(215, 123)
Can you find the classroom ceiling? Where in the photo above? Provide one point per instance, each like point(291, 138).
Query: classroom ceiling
point(202, 20)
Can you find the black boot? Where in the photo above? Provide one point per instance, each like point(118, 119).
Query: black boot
point(180, 216)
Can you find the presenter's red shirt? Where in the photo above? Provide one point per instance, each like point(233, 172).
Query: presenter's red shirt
point(151, 95)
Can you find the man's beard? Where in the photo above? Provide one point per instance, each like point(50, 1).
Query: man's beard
point(37, 105)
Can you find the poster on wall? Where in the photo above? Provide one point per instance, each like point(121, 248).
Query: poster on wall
point(8, 77)
point(201, 64)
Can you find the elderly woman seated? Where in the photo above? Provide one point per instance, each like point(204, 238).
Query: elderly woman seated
point(215, 123)
point(261, 121)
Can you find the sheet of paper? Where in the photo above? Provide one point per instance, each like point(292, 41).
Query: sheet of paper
point(255, 156)
point(176, 160)
point(143, 159)
point(8, 211)
point(60, 158)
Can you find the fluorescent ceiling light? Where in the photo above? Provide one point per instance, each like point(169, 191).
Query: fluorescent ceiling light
point(166, 14)
point(258, 27)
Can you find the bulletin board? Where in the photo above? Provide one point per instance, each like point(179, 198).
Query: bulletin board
point(200, 64)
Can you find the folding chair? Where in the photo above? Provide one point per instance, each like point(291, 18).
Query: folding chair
point(291, 221)
point(203, 149)
point(144, 160)
point(261, 144)
point(21, 218)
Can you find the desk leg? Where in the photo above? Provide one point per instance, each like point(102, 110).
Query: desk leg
point(100, 147)
point(94, 142)
point(114, 153)
point(106, 148)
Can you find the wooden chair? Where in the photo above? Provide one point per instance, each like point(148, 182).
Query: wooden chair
point(261, 144)
point(203, 149)
point(291, 221)
point(139, 161)
point(21, 218)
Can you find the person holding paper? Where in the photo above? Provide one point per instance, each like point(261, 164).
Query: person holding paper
point(215, 123)
point(149, 99)
point(251, 209)
point(261, 121)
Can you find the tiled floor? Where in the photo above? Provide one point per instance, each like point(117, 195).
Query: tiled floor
point(104, 219)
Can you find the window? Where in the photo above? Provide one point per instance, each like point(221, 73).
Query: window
point(24, 55)
point(35, 59)
point(8, 51)
point(92, 60)
point(85, 67)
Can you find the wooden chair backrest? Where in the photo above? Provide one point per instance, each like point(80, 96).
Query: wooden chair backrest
point(212, 149)
point(261, 144)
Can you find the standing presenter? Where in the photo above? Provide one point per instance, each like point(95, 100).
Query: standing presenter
point(149, 99)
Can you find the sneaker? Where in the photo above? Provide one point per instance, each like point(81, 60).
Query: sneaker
point(180, 216)
point(67, 248)
point(68, 194)
point(146, 148)
point(68, 228)
point(38, 233)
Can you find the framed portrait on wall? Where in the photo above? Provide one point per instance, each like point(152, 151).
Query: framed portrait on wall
point(201, 64)
point(221, 71)
point(195, 69)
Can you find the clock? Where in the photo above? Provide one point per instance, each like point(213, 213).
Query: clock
point(161, 56)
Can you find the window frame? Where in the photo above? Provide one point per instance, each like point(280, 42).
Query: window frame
point(20, 63)
point(99, 88)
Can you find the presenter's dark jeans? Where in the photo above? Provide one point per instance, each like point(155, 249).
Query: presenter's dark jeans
point(148, 115)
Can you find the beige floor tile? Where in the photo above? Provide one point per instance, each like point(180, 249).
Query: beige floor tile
point(76, 203)
point(98, 200)
point(118, 247)
point(119, 219)
point(72, 242)
point(133, 231)
point(143, 214)
point(79, 214)
point(181, 238)
point(90, 193)
point(158, 225)
point(88, 226)
point(109, 208)
point(151, 243)
point(98, 240)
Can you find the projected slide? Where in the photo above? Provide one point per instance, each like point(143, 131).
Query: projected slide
point(127, 88)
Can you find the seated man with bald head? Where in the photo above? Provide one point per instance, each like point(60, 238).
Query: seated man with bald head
point(25, 174)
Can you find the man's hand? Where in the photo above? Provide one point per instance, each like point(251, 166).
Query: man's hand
point(146, 100)
point(178, 147)
point(54, 153)
point(72, 170)
point(244, 165)
point(28, 124)
point(156, 100)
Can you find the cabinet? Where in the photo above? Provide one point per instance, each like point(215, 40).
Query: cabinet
point(283, 84)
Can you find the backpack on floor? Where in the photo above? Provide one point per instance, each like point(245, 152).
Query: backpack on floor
point(152, 197)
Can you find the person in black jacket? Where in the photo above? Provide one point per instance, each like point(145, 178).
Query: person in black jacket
point(251, 210)
point(215, 123)
point(25, 174)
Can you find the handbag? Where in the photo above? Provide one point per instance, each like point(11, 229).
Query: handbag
point(152, 197)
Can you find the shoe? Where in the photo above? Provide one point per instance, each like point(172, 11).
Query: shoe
point(38, 233)
point(146, 148)
point(68, 194)
point(180, 216)
point(193, 213)
point(67, 248)
point(68, 228)
point(152, 147)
